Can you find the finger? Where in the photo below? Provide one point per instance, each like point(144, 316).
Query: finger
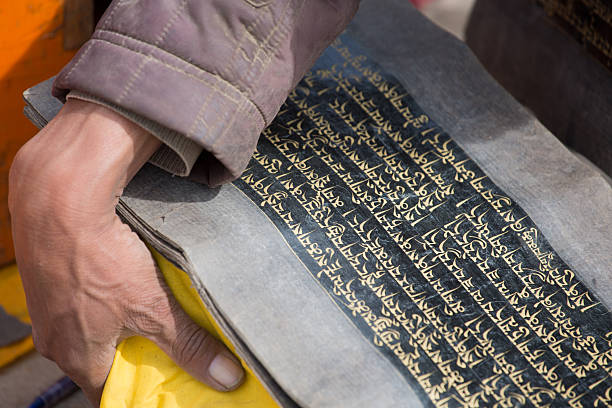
point(195, 350)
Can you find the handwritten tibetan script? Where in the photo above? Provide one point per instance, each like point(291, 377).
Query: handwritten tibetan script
point(441, 270)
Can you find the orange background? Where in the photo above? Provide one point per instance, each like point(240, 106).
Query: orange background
point(31, 50)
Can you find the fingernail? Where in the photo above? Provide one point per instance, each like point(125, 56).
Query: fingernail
point(225, 371)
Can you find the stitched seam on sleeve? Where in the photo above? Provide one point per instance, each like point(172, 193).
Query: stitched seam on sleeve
point(133, 78)
point(200, 114)
point(162, 36)
point(273, 41)
point(230, 124)
point(238, 43)
point(269, 45)
point(257, 62)
point(108, 20)
point(178, 57)
point(177, 69)
point(266, 47)
point(76, 64)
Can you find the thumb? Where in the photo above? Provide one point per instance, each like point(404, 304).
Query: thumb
point(196, 350)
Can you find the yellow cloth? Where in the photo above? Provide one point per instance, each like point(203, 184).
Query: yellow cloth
point(144, 376)
point(12, 299)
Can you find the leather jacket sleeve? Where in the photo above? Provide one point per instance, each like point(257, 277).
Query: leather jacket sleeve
point(203, 74)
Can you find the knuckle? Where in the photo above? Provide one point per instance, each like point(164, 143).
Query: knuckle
point(149, 316)
point(42, 345)
point(14, 180)
point(24, 160)
point(192, 344)
point(70, 366)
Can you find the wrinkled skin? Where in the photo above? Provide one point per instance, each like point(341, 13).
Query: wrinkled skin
point(90, 281)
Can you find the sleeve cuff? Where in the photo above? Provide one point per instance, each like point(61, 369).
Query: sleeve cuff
point(177, 155)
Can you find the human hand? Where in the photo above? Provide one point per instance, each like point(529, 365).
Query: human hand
point(90, 282)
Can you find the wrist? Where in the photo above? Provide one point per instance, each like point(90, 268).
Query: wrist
point(80, 162)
